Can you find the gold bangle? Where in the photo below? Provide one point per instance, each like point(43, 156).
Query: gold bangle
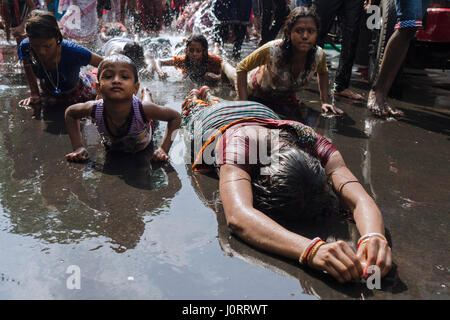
point(314, 251)
point(305, 252)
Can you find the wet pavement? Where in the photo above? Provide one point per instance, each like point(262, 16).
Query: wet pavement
point(137, 231)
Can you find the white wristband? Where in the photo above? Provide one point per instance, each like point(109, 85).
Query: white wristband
point(371, 234)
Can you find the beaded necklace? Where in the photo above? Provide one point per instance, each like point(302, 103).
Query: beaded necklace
point(35, 60)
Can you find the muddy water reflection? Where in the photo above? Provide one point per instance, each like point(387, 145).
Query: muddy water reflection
point(146, 232)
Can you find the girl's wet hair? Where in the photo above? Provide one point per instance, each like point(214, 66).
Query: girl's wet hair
point(43, 24)
point(118, 58)
point(196, 72)
point(286, 46)
point(135, 52)
point(294, 185)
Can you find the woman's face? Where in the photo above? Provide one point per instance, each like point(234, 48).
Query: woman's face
point(194, 52)
point(304, 34)
point(45, 49)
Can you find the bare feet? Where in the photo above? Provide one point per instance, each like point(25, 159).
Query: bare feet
point(393, 111)
point(347, 93)
point(146, 94)
point(381, 108)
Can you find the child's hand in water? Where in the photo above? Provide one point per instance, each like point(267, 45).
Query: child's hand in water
point(162, 75)
point(329, 107)
point(79, 155)
point(159, 156)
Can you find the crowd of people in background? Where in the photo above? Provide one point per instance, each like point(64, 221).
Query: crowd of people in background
point(93, 22)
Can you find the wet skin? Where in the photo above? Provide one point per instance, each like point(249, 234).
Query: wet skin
point(195, 52)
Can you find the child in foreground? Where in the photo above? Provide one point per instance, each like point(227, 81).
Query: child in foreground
point(124, 122)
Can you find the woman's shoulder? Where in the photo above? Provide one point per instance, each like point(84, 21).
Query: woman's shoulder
point(214, 57)
point(320, 53)
point(178, 61)
point(275, 49)
point(274, 44)
point(23, 48)
point(215, 62)
point(25, 42)
point(71, 46)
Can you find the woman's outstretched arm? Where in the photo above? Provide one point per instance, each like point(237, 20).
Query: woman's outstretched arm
point(368, 218)
point(259, 230)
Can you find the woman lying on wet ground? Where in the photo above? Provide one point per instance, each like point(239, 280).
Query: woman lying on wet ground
point(290, 181)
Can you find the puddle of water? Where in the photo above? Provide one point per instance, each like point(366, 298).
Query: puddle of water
point(158, 232)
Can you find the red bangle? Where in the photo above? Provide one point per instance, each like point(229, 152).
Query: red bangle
point(307, 251)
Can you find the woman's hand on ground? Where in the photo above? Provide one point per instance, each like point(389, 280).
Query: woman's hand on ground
point(159, 156)
point(79, 155)
point(375, 251)
point(339, 260)
point(326, 107)
point(34, 99)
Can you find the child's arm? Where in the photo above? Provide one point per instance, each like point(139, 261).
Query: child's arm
point(324, 96)
point(259, 57)
point(241, 85)
point(213, 76)
point(154, 65)
point(156, 112)
point(35, 97)
point(72, 116)
point(165, 62)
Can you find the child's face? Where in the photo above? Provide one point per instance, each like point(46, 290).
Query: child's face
point(116, 81)
point(304, 34)
point(195, 51)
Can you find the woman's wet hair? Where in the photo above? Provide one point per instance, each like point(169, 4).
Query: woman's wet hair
point(294, 184)
point(118, 58)
point(43, 24)
point(196, 72)
point(286, 46)
point(135, 52)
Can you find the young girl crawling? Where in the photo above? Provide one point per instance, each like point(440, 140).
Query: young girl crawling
point(197, 64)
point(124, 122)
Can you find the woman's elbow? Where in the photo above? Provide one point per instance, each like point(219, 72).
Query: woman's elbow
point(235, 224)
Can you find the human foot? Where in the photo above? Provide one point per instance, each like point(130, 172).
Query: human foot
point(146, 94)
point(347, 93)
point(393, 111)
point(382, 108)
point(375, 105)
